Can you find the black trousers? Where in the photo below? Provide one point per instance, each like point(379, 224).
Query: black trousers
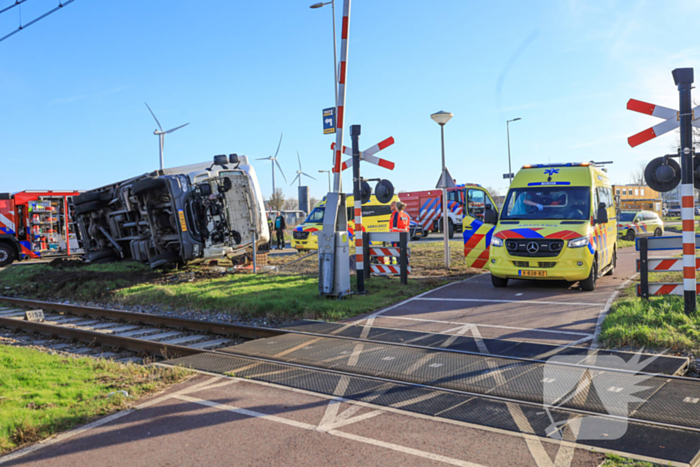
point(280, 237)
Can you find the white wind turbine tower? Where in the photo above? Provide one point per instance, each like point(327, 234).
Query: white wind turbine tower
point(161, 134)
point(300, 173)
point(273, 159)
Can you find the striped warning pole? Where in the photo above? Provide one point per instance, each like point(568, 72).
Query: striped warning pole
point(683, 78)
point(340, 111)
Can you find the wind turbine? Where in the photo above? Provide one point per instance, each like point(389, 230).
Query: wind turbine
point(273, 159)
point(300, 173)
point(161, 134)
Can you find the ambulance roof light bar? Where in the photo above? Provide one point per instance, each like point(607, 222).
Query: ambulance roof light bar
point(567, 164)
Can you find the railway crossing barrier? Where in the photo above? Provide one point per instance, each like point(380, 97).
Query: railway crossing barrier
point(645, 265)
point(400, 250)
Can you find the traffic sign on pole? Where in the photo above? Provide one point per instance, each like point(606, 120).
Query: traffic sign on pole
point(329, 121)
point(510, 175)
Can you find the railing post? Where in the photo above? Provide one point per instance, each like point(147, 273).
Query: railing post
point(403, 257)
point(644, 266)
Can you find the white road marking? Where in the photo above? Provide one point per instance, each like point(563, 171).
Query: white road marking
point(547, 331)
point(534, 444)
point(460, 332)
point(489, 300)
point(340, 434)
point(97, 423)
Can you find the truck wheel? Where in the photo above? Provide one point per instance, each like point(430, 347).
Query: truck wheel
point(7, 255)
point(147, 184)
point(87, 207)
point(163, 259)
point(589, 283)
point(450, 229)
point(499, 281)
point(89, 197)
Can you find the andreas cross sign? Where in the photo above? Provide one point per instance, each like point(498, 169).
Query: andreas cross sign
point(671, 120)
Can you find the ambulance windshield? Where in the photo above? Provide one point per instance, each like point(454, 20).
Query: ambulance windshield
point(548, 203)
point(316, 216)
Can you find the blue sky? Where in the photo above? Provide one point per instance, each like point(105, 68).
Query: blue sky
point(73, 85)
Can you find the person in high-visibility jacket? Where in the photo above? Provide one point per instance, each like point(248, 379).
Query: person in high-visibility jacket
point(400, 220)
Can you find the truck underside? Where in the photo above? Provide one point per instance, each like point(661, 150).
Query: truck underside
point(170, 218)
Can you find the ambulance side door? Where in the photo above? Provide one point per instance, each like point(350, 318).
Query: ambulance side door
point(476, 233)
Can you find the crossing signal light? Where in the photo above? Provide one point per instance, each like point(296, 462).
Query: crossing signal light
point(365, 192)
point(663, 174)
point(384, 191)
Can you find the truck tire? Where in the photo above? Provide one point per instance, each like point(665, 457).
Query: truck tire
point(100, 256)
point(142, 186)
point(499, 281)
point(89, 197)
point(163, 259)
point(589, 283)
point(7, 255)
point(450, 228)
point(87, 207)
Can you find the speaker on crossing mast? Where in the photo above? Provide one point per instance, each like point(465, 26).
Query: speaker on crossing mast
point(365, 192)
point(384, 191)
point(663, 174)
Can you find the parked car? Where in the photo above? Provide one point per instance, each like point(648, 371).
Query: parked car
point(175, 216)
point(633, 224)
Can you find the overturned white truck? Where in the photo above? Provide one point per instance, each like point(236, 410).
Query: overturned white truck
point(175, 216)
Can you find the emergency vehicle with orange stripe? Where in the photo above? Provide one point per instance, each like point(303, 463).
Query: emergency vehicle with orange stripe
point(558, 222)
point(376, 217)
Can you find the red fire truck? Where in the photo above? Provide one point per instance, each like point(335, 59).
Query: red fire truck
point(425, 207)
point(36, 224)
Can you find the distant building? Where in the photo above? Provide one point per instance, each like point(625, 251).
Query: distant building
point(638, 197)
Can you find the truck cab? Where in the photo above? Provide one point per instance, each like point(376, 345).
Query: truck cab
point(558, 222)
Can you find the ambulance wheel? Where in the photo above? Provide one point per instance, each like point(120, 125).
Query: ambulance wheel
point(629, 235)
point(87, 207)
point(145, 185)
point(589, 283)
point(499, 281)
point(7, 255)
point(657, 232)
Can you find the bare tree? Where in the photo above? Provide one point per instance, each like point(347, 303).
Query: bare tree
point(277, 200)
point(637, 176)
point(290, 204)
point(313, 202)
point(493, 191)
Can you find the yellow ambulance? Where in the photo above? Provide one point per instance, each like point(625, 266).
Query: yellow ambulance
point(558, 222)
point(375, 218)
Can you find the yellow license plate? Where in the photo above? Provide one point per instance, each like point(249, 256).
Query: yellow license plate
point(183, 224)
point(532, 273)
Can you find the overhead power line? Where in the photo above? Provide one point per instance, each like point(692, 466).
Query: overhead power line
point(21, 27)
point(17, 3)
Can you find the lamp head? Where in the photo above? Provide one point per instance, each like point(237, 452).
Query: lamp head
point(317, 5)
point(441, 117)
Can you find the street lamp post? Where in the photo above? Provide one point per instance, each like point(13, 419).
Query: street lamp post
point(510, 178)
point(441, 118)
point(335, 48)
point(329, 178)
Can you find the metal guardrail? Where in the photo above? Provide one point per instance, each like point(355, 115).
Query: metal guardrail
point(645, 289)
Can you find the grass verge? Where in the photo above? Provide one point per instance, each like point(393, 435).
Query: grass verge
point(613, 460)
point(43, 394)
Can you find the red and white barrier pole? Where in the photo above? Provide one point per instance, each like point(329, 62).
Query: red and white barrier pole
point(683, 78)
point(340, 110)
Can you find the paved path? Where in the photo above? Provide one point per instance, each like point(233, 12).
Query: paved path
point(218, 421)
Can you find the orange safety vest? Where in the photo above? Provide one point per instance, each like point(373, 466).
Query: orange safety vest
point(400, 222)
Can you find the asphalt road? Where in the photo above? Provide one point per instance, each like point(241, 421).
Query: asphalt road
point(242, 422)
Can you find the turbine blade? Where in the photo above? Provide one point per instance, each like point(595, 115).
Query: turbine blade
point(177, 128)
point(264, 158)
point(280, 167)
point(295, 179)
point(299, 160)
point(278, 145)
point(308, 175)
point(154, 116)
